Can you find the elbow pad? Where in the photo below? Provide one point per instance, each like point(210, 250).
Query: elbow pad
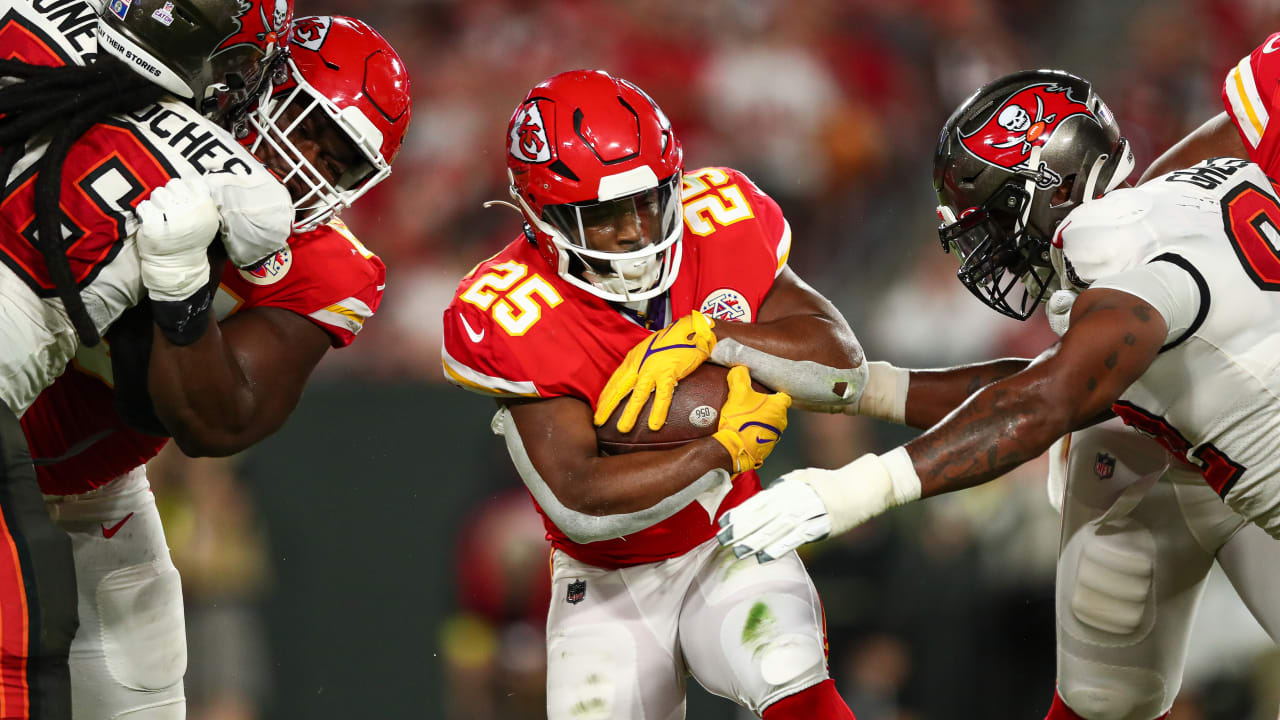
point(811, 385)
point(583, 528)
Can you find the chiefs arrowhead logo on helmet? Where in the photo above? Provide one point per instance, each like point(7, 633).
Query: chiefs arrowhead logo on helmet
point(529, 134)
point(261, 29)
point(310, 32)
point(1025, 120)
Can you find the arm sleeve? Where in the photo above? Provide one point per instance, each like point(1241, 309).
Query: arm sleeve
point(1172, 286)
point(580, 527)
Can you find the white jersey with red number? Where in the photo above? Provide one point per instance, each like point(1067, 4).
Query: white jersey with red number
point(517, 329)
point(327, 276)
point(1202, 246)
point(1249, 94)
point(111, 169)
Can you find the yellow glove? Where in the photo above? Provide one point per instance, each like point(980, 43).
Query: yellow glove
point(655, 365)
point(750, 422)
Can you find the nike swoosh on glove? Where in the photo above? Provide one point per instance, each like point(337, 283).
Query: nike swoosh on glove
point(655, 365)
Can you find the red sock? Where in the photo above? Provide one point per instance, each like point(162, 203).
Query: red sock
point(1060, 711)
point(820, 702)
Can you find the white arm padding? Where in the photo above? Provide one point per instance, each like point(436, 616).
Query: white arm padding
point(811, 385)
point(581, 527)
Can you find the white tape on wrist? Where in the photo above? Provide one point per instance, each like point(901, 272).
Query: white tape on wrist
point(866, 487)
point(886, 395)
point(174, 277)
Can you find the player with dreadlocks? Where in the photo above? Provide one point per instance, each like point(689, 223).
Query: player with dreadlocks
point(330, 127)
point(99, 115)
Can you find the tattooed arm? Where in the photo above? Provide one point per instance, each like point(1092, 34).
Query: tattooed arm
point(933, 394)
point(1113, 338)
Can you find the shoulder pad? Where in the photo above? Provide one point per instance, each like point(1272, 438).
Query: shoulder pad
point(1106, 236)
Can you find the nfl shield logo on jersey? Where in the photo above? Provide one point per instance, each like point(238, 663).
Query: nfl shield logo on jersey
point(726, 305)
point(1104, 466)
point(577, 592)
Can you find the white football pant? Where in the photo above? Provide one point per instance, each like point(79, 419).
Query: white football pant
point(621, 642)
point(1140, 532)
point(130, 653)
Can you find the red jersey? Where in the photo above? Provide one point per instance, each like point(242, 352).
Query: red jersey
point(1250, 96)
point(326, 275)
point(517, 329)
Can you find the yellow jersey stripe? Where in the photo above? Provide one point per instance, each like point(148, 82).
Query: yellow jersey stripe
point(1247, 107)
point(469, 379)
point(784, 248)
point(348, 313)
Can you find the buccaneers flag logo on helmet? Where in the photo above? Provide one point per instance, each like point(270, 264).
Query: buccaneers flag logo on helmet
point(1025, 120)
point(262, 23)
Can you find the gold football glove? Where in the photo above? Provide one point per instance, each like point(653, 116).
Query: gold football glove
point(750, 422)
point(655, 365)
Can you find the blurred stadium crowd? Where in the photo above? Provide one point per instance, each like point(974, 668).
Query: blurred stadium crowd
point(833, 108)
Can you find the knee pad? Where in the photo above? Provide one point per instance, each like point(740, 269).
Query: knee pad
point(1111, 596)
point(143, 630)
point(771, 648)
point(1096, 691)
point(173, 708)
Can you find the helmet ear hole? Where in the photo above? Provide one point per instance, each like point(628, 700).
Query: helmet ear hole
point(1065, 192)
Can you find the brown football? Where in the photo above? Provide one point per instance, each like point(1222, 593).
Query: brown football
point(694, 414)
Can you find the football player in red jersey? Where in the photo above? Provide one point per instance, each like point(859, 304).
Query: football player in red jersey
point(340, 121)
point(89, 132)
point(626, 263)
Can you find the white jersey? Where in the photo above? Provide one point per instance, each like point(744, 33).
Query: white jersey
point(111, 169)
point(1202, 246)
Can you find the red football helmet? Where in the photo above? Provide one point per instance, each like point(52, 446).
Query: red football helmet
point(342, 68)
point(585, 146)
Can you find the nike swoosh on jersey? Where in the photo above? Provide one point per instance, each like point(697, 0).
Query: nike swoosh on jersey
point(109, 532)
point(475, 336)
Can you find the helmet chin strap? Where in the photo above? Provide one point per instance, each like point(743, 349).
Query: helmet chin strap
point(1034, 163)
point(1124, 166)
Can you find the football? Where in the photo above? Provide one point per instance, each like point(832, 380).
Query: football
point(694, 414)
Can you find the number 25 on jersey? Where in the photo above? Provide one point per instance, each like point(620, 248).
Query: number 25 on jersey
point(507, 292)
point(710, 202)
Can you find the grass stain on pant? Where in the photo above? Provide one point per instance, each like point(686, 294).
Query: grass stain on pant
point(760, 620)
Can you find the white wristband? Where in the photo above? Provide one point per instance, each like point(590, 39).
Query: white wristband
point(175, 276)
point(885, 397)
point(865, 488)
